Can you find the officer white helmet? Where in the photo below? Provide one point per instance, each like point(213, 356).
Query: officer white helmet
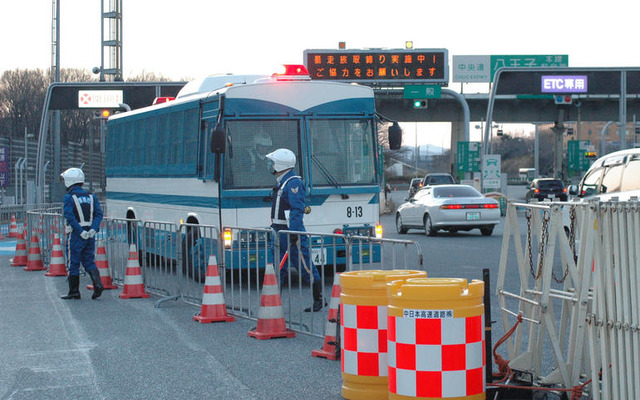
point(261, 143)
point(72, 176)
point(283, 159)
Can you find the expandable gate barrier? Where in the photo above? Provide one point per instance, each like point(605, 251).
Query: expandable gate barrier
point(579, 295)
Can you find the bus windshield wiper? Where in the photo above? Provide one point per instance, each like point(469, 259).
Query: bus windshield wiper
point(328, 176)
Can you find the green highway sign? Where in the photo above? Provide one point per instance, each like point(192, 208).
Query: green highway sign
point(528, 61)
point(422, 92)
point(468, 157)
point(576, 155)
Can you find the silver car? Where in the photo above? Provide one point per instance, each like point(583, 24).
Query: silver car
point(448, 207)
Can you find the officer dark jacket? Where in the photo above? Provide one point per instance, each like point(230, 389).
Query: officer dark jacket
point(77, 199)
point(289, 195)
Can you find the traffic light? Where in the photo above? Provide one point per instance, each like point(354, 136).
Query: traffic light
point(102, 114)
point(569, 131)
point(419, 104)
point(395, 136)
point(637, 130)
point(590, 155)
point(563, 99)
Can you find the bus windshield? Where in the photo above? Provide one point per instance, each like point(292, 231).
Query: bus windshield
point(341, 152)
point(248, 142)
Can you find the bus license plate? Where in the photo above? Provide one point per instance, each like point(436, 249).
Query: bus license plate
point(319, 255)
point(473, 216)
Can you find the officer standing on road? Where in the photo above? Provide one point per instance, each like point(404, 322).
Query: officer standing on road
point(289, 195)
point(82, 211)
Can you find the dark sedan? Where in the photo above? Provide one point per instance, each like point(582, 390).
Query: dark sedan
point(547, 188)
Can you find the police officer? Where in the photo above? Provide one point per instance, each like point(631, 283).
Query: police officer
point(82, 211)
point(289, 195)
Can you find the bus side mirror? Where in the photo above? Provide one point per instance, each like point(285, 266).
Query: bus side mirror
point(218, 139)
point(395, 136)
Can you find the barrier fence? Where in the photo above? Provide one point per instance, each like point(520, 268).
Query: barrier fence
point(578, 296)
point(174, 261)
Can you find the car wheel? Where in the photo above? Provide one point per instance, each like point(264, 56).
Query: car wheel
point(399, 227)
point(486, 231)
point(428, 227)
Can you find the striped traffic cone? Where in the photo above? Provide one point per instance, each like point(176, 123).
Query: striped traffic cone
point(34, 261)
point(20, 258)
point(133, 283)
point(57, 266)
point(271, 323)
point(331, 349)
point(103, 268)
point(214, 308)
point(13, 228)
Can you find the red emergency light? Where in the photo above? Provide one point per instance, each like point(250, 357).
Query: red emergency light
point(159, 100)
point(292, 72)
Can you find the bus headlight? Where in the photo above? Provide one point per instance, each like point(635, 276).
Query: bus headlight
point(227, 238)
point(378, 231)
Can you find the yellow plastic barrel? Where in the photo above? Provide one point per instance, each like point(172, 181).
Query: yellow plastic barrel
point(363, 331)
point(436, 339)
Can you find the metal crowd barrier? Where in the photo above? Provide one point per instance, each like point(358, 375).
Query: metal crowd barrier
point(19, 212)
point(44, 224)
point(174, 261)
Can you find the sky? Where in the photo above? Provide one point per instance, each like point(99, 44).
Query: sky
point(196, 38)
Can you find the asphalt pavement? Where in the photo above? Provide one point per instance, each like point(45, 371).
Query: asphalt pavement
point(112, 348)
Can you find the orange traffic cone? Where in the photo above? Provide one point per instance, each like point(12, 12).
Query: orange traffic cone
point(34, 261)
point(133, 284)
point(1, 237)
point(20, 258)
point(103, 268)
point(331, 350)
point(214, 308)
point(56, 265)
point(271, 323)
point(13, 228)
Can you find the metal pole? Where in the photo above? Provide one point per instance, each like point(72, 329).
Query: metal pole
point(17, 166)
point(602, 142)
point(536, 151)
point(623, 109)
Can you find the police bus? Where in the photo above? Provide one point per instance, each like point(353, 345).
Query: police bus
point(160, 164)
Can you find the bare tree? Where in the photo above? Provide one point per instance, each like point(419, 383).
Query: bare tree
point(21, 97)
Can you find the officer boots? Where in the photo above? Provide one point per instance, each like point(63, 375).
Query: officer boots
point(74, 284)
point(317, 298)
point(97, 283)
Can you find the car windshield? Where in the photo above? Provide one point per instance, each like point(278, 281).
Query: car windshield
point(455, 191)
point(556, 183)
point(438, 179)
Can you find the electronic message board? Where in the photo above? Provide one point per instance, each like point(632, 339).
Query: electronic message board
point(398, 66)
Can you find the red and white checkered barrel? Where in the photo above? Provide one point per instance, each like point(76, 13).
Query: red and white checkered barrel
point(363, 331)
point(436, 339)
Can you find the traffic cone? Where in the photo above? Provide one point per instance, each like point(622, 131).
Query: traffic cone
point(331, 350)
point(103, 268)
point(214, 308)
point(133, 284)
point(271, 323)
point(56, 265)
point(1, 237)
point(20, 258)
point(34, 260)
point(13, 228)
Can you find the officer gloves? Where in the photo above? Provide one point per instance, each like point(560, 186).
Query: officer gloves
point(88, 234)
